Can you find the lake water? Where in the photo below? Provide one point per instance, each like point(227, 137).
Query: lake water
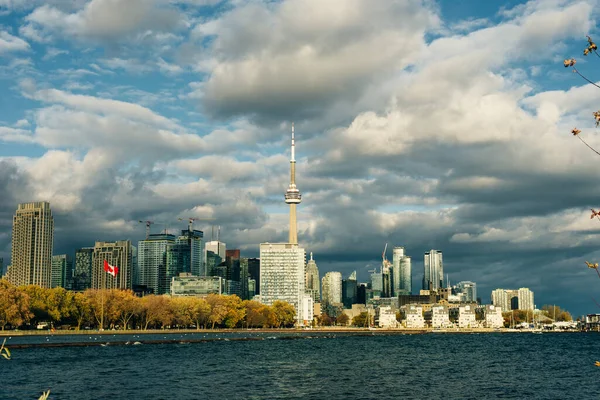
point(429, 366)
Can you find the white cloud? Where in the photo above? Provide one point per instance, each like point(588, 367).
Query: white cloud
point(10, 43)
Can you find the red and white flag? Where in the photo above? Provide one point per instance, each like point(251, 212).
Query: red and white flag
point(111, 269)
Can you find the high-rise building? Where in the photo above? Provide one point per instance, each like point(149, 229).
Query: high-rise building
point(525, 297)
point(244, 280)
point(282, 275)
point(188, 253)
point(401, 272)
point(469, 289)
point(254, 273)
point(232, 259)
point(313, 283)
point(213, 260)
point(332, 290)
point(2, 266)
point(506, 299)
point(433, 278)
point(61, 266)
point(155, 262)
point(82, 276)
point(32, 240)
point(292, 195)
point(119, 254)
point(350, 291)
point(217, 247)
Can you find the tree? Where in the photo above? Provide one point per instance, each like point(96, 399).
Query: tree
point(285, 314)
point(81, 311)
point(200, 312)
point(361, 320)
point(126, 306)
point(235, 311)
point(325, 320)
point(218, 309)
point(14, 305)
point(156, 310)
point(183, 310)
point(342, 319)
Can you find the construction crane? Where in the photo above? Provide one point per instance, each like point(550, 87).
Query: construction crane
point(385, 263)
point(192, 219)
point(148, 224)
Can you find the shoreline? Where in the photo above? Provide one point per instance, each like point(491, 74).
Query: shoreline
point(337, 329)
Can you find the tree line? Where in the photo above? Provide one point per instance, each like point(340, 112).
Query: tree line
point(27, 306)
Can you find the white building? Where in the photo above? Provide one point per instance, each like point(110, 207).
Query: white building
point(387, 317)
point(493, 317)
point(440, 317)
point(469, 291)
point(414, 316)
point(466, 316)
point(332, 288)
point(282, 275)
point(308, 308)
point(216, 247)
point(401, 272)
point(525, 299)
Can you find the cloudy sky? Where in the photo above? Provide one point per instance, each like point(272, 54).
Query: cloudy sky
point(420, 124)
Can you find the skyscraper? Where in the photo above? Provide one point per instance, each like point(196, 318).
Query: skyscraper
point(82, 277)
point(61, 265)
point(254, 273)
point(156, 264)
point(189, 253)
point(433, 278)
point(313, 284)
point(350, 290)
point(401, 272)
point(332, 290)
point(32, 240)
point(469, 289)
point(282, 275)
point(120, 254)
point(292, 195)
point(525, 297)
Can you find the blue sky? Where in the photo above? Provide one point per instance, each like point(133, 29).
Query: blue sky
point(420, 124)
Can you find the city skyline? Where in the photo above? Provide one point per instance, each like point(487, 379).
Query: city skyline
point(455, 138)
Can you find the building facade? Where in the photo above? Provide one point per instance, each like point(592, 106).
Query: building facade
point(440, 316)
point(350, 291)
point(493, 317)
point(82, 275)
point(32, 242)
point(525, 298)
point(332, 290)
point(469, 289)
point(414, 316)
point(120, 254)
point(313, 283)
point(157, 262)
point(62, 270)
point(282, 275)
point(186, 284)
point(466, 316)
point(401, 272)
point(433, 277)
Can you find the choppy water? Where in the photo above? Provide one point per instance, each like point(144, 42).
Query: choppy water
point(431, 366)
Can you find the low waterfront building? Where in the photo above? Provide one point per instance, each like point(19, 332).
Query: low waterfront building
point(466, 316)
point(440, 316)
point(187, 284)
point(493, 317)
point(387, 317)
point(414, 316)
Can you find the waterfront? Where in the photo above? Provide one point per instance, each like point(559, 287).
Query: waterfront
point(332, 366)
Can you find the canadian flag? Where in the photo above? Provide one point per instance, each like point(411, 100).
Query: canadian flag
point(111, 269)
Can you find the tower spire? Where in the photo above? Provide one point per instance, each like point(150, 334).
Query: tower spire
point(292, 195)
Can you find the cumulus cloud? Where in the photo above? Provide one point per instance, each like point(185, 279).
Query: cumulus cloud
point(10, 43)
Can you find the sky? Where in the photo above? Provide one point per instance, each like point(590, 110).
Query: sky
point(425, 124)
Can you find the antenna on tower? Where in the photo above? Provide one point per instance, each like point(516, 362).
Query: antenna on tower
point(293, 145)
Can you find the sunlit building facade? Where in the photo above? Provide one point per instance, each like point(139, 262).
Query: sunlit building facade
point(32, 241)
point(282, 275)
point(433, 277)
point(313, 283)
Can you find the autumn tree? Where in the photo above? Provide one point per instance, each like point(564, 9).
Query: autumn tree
point(235, 311)
point(126, 305)
point(285, 313)
point(200, 312)
point(218, 309)
point(156, 310)
point(81, 309)
point(342, 319)
point(14, 305)
point(361, 319)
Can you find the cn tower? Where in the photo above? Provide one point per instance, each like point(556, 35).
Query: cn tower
point(292, 195)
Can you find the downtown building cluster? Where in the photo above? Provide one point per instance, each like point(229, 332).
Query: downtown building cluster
point(186, 265)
